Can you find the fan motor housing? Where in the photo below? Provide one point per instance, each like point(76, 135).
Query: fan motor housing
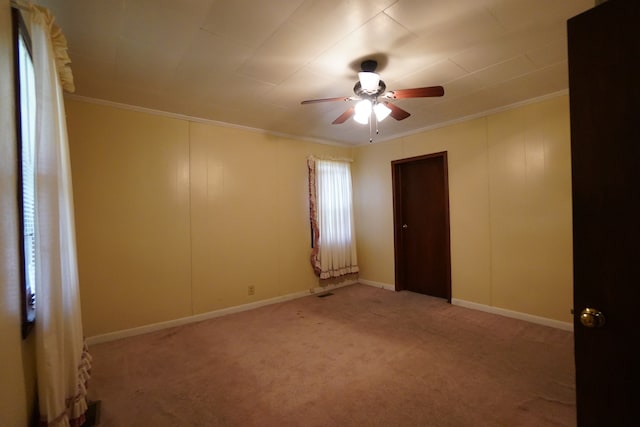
point(366, 94)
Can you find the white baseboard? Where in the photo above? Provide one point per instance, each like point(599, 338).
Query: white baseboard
point(489, 309)
point(514, 314)
point(377, 284)
point(111, 336)
point(325, 288)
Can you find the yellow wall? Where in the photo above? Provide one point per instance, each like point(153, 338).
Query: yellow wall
point(176, 218)
point(249, 215)
point(510, 207)
point(17, 357)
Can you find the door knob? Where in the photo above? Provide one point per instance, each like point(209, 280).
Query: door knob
point(592, 318)
point(405, 226)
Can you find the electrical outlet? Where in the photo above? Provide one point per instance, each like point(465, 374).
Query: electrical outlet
point(251, 290)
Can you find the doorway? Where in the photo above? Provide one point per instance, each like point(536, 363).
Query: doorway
point(421, 225)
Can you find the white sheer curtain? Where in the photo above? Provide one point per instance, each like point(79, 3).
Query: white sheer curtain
point(334, 252)
point(63, 362)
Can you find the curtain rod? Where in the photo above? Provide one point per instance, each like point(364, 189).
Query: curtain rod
point(335, 159)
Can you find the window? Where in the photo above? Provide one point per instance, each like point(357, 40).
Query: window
point(332, 224)
point(25, 122)
point(334, 202)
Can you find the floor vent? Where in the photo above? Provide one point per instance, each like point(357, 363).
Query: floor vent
point(328, 294)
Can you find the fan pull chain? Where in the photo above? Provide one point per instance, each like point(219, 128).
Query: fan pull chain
point(370, 130)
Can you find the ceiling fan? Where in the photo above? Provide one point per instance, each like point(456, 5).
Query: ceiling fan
point(373, 100)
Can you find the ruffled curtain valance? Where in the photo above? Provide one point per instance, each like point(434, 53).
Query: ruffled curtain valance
point(58, 41)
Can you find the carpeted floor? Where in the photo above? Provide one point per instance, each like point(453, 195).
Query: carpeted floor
point(360, 357)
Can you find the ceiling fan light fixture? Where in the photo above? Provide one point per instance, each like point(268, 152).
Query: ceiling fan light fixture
point(362, 111)
point(363, 107)
point(370, 92)
point(369, 81)
point(381, 111)
point(361, 118)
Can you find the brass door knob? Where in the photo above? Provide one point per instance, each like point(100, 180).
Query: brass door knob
point(592, 318)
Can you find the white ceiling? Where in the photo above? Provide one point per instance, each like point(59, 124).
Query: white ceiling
point(251, 62)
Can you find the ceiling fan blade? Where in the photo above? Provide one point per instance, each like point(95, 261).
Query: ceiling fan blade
point(418, 92)
point(314, 101)
point(344, 116)
point(397, 112)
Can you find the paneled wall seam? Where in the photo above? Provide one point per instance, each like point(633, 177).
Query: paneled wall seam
point(190, 221)
point(489, 206)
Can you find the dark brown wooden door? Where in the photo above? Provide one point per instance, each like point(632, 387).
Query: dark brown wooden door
point(604, 88)
point(421, 217)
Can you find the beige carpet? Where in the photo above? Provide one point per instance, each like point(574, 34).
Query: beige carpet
point(360, 357)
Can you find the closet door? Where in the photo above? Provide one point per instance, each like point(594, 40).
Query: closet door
point(604, 90)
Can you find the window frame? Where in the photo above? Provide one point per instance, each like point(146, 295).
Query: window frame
point(27, 298)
